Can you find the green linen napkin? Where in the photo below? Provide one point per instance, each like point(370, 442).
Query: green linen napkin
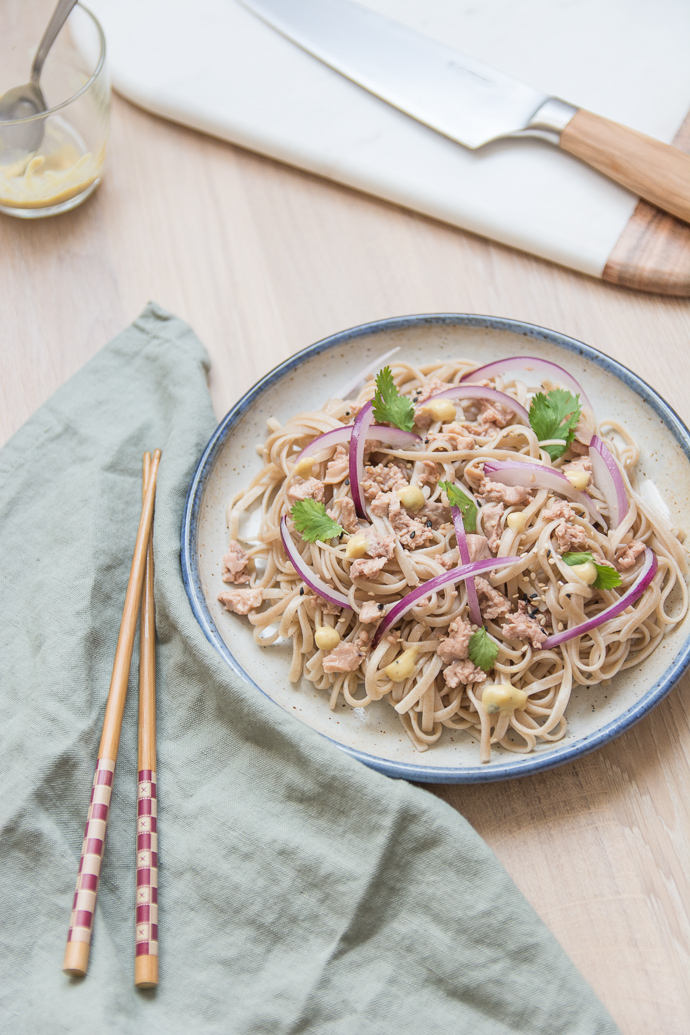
point(299, 891)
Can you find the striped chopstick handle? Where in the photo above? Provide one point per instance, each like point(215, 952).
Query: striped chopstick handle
point(84, 905)
point(147, 865)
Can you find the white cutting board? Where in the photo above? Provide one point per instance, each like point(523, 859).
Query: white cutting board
point(213, 65)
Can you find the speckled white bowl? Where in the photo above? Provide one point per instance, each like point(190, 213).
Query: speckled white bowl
point(374, 735)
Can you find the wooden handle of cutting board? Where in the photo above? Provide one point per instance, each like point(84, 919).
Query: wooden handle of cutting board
point(657, 172)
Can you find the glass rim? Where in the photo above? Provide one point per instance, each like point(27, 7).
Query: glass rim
point(82, 89)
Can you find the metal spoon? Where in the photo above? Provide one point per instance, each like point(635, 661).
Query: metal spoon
point(23, 102)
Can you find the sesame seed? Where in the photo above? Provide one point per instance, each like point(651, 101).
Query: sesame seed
point(429, 523)
point(347, 481)
point(412, 535)
point(301, 592)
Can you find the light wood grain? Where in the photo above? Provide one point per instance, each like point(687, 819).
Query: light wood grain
point(76, 959)
point(147, 658)
point(658, 172)
point(146, 966)
point(263, 260)
point(653, 252)
point(115, 706)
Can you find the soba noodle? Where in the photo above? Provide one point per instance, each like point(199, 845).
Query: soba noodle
point(430, 702)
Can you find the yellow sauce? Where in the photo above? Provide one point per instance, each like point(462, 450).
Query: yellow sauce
point(403, 667)
point(516, 521)
point(45, 180)
point(502, 697)
point(357, 546)
point(326, 637)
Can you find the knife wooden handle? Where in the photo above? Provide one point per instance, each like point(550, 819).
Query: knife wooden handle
point(657, 172)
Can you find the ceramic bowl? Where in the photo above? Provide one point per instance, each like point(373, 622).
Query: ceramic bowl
point(595, 714)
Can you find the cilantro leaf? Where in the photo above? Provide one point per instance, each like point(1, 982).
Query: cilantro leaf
point(482, 650)
point(555, 416)
point(607, 576)
point(457, 498)
point(312, 521)
point(577, 558)
point(389, 405)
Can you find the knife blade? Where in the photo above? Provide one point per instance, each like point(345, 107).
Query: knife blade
point(470, 102)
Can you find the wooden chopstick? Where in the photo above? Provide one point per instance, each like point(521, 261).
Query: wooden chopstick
point(146, 915)
point(76, 959)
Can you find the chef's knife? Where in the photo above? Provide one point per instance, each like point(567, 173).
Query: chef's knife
point(470, 102)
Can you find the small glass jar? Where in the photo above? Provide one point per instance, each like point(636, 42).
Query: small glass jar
point(67, 166)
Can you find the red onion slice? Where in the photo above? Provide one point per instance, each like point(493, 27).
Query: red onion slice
point(528, 365)
point(359, 378)
point(649, 568)
point(329, 438)
point(394, 437)
point(464, 551)
point(608, 478)
point(537, 476)
point(332, 596)
point(356, 461)
point(452, 576)
point(480, 392)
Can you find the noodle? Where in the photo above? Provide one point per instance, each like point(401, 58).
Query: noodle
point(538, 595)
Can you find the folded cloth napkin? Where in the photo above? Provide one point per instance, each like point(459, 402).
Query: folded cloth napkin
point(299, 890)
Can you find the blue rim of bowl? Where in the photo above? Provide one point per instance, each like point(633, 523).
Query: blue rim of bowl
point(526, 765)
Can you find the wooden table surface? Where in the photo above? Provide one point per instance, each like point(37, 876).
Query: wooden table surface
point(263, 260)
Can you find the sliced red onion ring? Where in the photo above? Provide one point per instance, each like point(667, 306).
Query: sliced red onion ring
point(543, 368)
point(329, 438)
point(537, 476)
point(378, 432)
point(649, 568)
point(360, 430)
point(359, 378)
point(332, 596)
point(480, 392)
point(452, 576)
point(464, 551)
point(609, 480)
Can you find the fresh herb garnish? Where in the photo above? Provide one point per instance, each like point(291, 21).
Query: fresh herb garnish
point(578, 558)
point(482, 650)
point(389, 405)
point(555, 416)
point(607, 577)
point(457, 498)
point(312, 521)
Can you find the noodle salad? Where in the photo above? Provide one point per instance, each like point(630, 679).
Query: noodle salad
point(464, 543)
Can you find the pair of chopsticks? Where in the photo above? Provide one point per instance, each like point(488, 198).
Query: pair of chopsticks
point(138, 599)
